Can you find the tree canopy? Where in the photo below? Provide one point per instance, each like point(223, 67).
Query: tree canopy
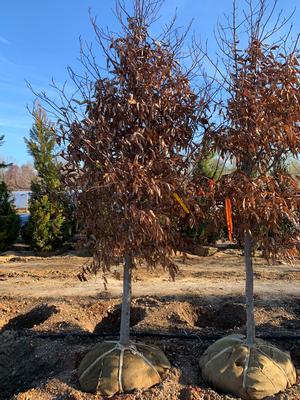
point(261, 127)
point(128, 156)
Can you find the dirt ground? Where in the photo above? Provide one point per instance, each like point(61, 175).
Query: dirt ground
point(49, 320)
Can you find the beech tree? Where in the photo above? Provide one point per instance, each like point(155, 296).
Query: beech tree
point(261, 126)
point(126, 157)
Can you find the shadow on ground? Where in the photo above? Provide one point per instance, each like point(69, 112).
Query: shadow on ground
point(35, 316)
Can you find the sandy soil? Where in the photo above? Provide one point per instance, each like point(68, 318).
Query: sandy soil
point(49, 320)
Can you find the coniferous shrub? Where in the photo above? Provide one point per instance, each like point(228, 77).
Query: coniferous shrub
point(9, 220)
point(51, 223)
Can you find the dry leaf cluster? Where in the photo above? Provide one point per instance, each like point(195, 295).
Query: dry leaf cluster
point(128, 156)
point(261, 127)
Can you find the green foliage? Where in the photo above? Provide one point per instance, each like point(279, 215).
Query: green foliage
point(2, 164)
point(42, 147)
point(212, 166)
point(9, 221)
point(46, 225)
point(208, 166)
point(50, 223)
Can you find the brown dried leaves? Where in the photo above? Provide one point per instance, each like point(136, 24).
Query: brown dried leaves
point(129, 154)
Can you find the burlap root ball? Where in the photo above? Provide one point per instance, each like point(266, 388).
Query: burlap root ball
point(110, 368)
point(247, 372)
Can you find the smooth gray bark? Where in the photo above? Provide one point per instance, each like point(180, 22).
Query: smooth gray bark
point(249, 289)
point(126, 302)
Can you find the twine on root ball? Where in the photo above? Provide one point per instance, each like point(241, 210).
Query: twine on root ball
point(249, 372)
point(111, 368)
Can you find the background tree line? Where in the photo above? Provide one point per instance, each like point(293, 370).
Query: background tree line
point(18, 177)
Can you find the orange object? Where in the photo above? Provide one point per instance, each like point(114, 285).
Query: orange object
point(201, 192)
point(229, 218)
point(212, 184)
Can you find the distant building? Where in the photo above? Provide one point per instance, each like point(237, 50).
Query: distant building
point(21, 199)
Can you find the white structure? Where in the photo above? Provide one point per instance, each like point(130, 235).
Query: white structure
point(21, 199)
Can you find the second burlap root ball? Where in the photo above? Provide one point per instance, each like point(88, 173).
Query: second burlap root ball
point(247, 372)
point(110, 368)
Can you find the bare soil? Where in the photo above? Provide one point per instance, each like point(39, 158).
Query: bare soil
point(49, 320)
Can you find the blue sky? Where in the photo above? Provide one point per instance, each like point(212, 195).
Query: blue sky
point(39, 38)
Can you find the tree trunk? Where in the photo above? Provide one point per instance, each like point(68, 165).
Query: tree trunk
point(249, 289)
point(126, 301)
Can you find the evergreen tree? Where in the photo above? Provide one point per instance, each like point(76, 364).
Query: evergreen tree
point(9, 221)
point(2, 164)
point(49, 225)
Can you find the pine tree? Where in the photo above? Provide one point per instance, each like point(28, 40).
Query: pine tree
point(49, 225)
